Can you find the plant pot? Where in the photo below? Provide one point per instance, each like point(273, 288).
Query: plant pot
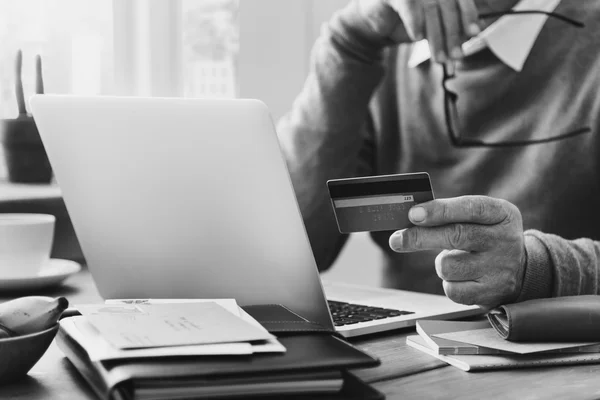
point(26, 158)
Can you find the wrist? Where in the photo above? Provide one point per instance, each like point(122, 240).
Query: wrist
point(537, 276)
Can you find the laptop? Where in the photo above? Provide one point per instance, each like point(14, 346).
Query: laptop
point(191, 198)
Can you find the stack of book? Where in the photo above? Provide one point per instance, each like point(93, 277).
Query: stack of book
point(475, 345)
point(153, 350)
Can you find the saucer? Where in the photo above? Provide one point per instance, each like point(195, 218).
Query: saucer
point(54, 272)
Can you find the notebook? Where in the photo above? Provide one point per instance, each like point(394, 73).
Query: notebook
point(315, 363)
point(477, 337)
point(482, 362)
point(428, 329)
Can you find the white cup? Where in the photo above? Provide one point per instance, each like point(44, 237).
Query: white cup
point(25, 243)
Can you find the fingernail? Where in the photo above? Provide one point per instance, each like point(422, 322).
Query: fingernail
point(474, 29)
point(456, 53)
point(417, 214)
point(395, 241)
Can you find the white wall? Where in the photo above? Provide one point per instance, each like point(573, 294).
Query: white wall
point(268, 70)
point(286, 71)
point(269, 59)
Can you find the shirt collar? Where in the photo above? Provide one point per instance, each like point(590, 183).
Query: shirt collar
point(510, 38)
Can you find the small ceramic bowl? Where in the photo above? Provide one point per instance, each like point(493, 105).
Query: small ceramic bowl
point(20, 353)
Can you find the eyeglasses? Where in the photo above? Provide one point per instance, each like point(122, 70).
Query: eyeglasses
point(451, 98)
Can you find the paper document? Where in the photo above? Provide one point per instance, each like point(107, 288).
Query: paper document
point(228, 304)
point(269, 346)
point(175, 324)
point(99, 349)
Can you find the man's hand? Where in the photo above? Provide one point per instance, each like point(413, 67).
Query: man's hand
point(377, 21)
point(446, 24)
point(483, 261)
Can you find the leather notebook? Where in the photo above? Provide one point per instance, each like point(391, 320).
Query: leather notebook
point(312, 352)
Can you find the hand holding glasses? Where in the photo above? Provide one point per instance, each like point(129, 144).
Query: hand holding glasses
point(451, 98)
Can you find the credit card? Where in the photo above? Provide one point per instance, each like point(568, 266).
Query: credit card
point(377, 203)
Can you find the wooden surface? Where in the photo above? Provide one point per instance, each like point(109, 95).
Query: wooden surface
point(576, 382)
point(405, 373)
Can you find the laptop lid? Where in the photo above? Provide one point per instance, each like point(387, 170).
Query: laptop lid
point(181, 198)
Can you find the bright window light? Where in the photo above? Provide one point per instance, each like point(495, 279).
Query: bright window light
point(74, 38)
point(210, 47)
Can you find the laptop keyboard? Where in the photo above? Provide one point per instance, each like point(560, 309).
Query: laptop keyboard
point(348, 313)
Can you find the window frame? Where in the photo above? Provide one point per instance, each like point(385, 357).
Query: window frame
point(147, 48)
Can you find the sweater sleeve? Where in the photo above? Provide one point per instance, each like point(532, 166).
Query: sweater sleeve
point(560, 267)
point(327, 133)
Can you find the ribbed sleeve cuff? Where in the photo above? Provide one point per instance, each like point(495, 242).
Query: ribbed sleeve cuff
point(537, 282)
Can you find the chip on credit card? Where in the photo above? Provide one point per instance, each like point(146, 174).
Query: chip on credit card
point(377, 203)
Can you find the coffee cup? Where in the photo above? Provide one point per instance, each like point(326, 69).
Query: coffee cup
point(25, 243)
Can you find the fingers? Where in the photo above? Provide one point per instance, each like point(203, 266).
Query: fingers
point(471, 293)
point(469, 17)
point(459, 266)
point(468, 237)
point(381, 21)
point(462, 292)
point(452, 29)
point(478, 278)
point(434, 31)
point(445, 23)
point(412, 16)
point(465, 209)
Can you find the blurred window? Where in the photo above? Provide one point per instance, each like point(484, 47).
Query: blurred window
point(210, 47)
point(94, 47)
point(74, 38)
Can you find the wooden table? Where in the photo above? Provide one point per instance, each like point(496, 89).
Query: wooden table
point(405, 373)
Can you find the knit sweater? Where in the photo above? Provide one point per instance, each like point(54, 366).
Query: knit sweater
point(363, 111)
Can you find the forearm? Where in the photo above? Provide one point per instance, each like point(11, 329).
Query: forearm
point(326, 134)
point(560, 267)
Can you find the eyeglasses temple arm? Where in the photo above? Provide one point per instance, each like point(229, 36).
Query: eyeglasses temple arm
point(561, 17)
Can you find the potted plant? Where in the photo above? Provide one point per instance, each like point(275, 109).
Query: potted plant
point(26, 158)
